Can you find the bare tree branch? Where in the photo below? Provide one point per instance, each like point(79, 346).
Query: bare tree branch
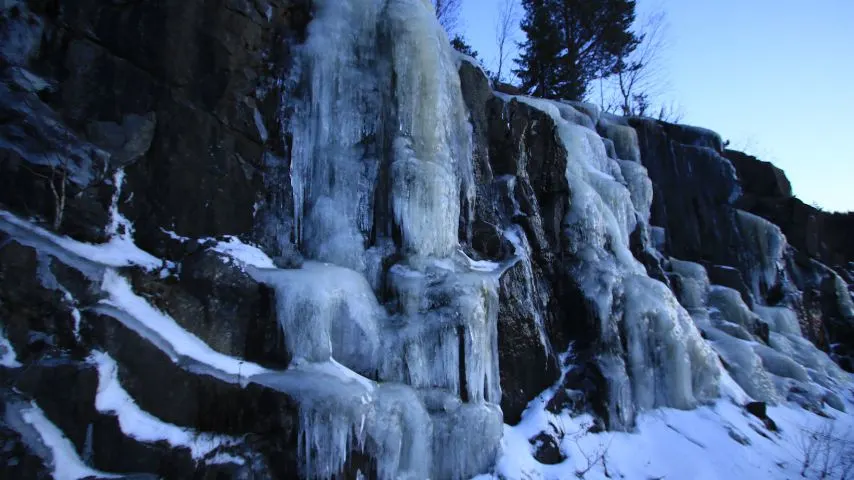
point(448, 13)
point(509, 17)
point(638, 79)
point(825, 452)
point(58, 174)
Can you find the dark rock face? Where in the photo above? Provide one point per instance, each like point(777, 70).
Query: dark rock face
point(181, 95)
point(36, 319)
point(527, 365)
point(221, 304)
point(60, 379)
point(758, 177)
point(767, 193)
point(16, 461)
point(185, 103)
point(693, 191)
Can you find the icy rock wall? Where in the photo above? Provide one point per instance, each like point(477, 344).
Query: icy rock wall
point(765, 245)
point(382, 181)
point(763, 349)
point(650, 350)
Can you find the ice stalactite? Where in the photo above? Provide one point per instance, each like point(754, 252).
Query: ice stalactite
point(446, 319)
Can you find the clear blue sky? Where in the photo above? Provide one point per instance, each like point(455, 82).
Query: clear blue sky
point(775, 77)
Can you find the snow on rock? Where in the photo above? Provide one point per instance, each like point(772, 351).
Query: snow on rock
point(164, 332)
point(141, 425)
point(8, 358)
point(119, 251)
point(47, 441)
point(245, 253)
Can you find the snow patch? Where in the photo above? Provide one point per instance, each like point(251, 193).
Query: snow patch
point(119, 251)
point(7, 351)
point(163, 330)
point(58, 451)
point(141, 425)
point(246, 254)
point(715, 442)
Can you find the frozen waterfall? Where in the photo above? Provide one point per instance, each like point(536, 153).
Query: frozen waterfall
point(652, 353)
point(381, 172)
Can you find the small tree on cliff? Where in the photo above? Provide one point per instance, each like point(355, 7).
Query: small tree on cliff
point(459, 43)
point(508, 18)
point(638, 79)
point(572, 42)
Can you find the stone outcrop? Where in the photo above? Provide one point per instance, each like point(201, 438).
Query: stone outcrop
point(174, 117)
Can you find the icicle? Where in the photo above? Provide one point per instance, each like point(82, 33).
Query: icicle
point(432, 166)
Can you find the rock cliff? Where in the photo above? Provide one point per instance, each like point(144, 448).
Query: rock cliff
point(284, 238)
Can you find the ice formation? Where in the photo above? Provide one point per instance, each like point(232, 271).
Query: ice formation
point(763, 349)
point(653, 352)
point(325, 311)
point(353, 112)
point(382, 176)
point(765, 245)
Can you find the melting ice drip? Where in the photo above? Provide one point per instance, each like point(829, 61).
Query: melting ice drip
point(381, 174)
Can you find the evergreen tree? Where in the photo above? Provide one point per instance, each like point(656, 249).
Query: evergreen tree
point(459, 43)
point(572, 42)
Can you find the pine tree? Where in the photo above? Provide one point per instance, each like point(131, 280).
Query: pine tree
point(572, 42)
point(459, 44)
point(537, 63)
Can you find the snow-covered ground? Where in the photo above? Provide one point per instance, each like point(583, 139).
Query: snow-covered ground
point(721, 441)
